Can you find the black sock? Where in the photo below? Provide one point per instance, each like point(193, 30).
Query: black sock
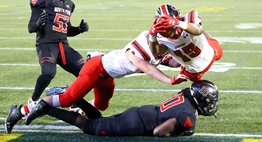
point(42, 82)
point(89, 110)
point(67, 116)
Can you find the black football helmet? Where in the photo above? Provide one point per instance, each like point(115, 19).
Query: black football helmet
point(205, 95)
point(167, 9)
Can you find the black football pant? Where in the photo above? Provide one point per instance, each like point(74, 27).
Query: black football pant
point(49, 56)
point(127, 123)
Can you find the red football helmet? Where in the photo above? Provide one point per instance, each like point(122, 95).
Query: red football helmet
point(168, 9)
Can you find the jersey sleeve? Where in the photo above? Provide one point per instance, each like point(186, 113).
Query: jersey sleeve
point(192, 17)
point(187, 122)
point(37, 6)
point(40, 4)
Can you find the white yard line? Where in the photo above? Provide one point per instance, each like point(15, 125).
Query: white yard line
point(105, 49)
point(144, 90)
point(70, 129)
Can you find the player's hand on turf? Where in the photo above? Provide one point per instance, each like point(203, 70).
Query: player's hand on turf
point(178, 79)
point(42, 19)
point(83, 26)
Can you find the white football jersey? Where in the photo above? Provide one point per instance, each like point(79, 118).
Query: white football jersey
point(191, 51)
point(117, 65)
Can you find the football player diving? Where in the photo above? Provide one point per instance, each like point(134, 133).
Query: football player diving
point(191, 46)
point(176, 116)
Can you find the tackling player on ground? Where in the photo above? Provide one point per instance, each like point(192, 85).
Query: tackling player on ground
point(175, 116)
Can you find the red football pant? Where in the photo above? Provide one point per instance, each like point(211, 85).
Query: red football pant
point(91, 76)
point(218, 52)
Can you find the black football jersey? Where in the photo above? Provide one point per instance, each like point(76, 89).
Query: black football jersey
point(59, 12)
point(178, 107)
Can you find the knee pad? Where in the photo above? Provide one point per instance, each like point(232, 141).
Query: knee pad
point(48, 69)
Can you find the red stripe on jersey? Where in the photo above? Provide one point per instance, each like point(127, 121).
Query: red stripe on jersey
point(164, 10)
point(141, 50)
point(188, 123)
point(191, 17)
point(34, 2)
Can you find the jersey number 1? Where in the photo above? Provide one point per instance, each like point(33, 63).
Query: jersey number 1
point(173, 101)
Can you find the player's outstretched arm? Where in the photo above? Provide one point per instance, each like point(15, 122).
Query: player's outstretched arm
point(149, 69)
point(192, 28)
point(166, 129)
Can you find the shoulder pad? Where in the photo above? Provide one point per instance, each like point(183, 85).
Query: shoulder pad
point(37, 3)
point(192, 17)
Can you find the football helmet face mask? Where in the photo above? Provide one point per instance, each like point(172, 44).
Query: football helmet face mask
point(168, 9)
point(205, 95)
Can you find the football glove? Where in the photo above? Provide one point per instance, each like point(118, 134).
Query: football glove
point(178, 79)
point(83, 26)
point(158, 27)
point(42, 19)
point(172, 22)
point(56, 91)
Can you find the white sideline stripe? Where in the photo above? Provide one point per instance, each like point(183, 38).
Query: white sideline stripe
point(68, 129)
point(97, 49)
point(144, 90)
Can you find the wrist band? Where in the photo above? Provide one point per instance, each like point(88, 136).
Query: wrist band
point(152, 38)
point(183, 25)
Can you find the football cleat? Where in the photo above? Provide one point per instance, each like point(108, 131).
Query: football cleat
point(74, 108)
point(37, 112)
point(13, 117)
point(56, 91)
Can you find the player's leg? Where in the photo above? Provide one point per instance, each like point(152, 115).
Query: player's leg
point(84, 83)
point(217, 48)
point(127, 123)
point(103, 92)
point(47, 55)
point(74, 63)
point(73, 118)
point(74, 60)
point(47, 59)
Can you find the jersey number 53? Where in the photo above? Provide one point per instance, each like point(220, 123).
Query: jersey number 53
point(62, 21)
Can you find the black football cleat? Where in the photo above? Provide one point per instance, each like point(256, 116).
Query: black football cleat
point(13, 117)
point(38, 111)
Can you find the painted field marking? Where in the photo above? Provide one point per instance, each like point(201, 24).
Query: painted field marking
point(144, 90)
point(110, 49)
point(70, 129)
point(255, 40)
point(216, 67)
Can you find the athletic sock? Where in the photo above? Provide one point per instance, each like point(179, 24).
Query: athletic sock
point(67, 116)
point(42, 82)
